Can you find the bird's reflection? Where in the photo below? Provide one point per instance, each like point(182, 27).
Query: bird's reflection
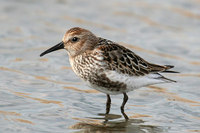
point(112, 123)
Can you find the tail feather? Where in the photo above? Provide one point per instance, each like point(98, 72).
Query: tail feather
point(165, 79)
point(169, 66)
point(157, 69)
point(168, 80)
point(167, 69)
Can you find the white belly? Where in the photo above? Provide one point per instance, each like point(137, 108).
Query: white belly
point(134, 82)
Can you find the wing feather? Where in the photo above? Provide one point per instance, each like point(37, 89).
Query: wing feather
point(125, 61)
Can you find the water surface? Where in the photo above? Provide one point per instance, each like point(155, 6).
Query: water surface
point(44, 95)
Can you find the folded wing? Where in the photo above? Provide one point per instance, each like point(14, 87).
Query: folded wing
point(124, 61)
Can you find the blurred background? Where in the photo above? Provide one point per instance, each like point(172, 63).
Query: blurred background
point(44, 95)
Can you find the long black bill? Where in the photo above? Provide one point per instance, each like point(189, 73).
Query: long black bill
point(54, 48)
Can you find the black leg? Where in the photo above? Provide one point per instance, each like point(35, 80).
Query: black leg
point(108, 104)
point(123, 104)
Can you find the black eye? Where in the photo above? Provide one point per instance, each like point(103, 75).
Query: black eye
point(74, 39)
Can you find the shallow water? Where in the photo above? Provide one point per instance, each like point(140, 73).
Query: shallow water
point(44, 95)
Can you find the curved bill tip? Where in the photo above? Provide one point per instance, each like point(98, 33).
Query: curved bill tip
point(54, 48)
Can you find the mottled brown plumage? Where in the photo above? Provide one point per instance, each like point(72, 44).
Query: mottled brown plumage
point(108, 66)
point(125, 61)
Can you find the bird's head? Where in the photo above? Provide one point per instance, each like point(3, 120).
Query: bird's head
point(75, 41)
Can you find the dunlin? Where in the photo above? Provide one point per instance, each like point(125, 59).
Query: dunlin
point(107, 66)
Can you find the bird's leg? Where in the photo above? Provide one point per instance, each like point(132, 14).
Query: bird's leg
point(108, 104)
point(123, 104)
